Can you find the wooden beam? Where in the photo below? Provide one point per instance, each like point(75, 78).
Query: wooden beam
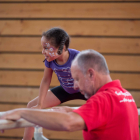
point(33, 78)
point(5, 124)
point(7, 106)
point(57, 135)
point(66, 0)
point(18, 96)
point(102, 45)
point(73, 27)
point(35, 61)
point(70, 10)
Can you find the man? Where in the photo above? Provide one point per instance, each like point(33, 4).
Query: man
point(110, 112)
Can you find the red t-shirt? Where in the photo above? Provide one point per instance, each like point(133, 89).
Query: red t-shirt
point(110, 114)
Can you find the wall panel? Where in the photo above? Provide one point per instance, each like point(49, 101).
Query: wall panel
point(70, 10)
point(103, 45)
point(33, 78)
point(35, 61)
point(108, 26)
point(73, 27)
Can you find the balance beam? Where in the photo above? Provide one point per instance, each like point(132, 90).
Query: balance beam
point(6, 124)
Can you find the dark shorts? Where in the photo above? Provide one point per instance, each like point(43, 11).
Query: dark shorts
point(64, 96)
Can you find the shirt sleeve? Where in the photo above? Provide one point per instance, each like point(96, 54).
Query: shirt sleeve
point(47, 64)
point(94, 113)
point(76, 52)
point(73, 52)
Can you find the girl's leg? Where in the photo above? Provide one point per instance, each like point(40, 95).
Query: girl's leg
point(49, 101)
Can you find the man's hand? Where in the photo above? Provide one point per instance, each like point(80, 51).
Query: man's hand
point(12, 115)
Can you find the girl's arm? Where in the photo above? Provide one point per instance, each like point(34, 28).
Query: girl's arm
point(44, 86)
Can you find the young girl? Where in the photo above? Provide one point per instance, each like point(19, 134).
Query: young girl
point(58, 58)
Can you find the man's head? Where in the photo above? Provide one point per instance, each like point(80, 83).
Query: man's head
point(90, 72)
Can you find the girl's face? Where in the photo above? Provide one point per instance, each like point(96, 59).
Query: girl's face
point(49, 51)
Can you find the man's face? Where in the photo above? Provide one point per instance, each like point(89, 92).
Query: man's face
point(82, 82)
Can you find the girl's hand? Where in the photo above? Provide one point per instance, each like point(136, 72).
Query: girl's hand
point(36, 107)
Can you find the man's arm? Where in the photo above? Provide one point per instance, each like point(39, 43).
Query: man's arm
point(60, 121)
point(65, 109)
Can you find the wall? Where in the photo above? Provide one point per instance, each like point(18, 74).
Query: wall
point(108, 26)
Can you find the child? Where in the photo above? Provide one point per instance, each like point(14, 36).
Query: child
point(58, 58)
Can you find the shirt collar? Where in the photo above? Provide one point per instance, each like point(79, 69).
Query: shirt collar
point(115, 83)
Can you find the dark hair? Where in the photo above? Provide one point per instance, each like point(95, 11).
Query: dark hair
point(58, 38)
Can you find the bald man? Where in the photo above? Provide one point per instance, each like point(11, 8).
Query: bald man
point(110, 112)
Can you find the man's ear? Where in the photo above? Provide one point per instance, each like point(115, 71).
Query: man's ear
point(91, 73)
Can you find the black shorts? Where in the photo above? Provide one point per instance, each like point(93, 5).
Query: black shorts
point(64, 96)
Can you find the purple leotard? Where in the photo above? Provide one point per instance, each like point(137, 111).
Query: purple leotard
point(63, 72)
